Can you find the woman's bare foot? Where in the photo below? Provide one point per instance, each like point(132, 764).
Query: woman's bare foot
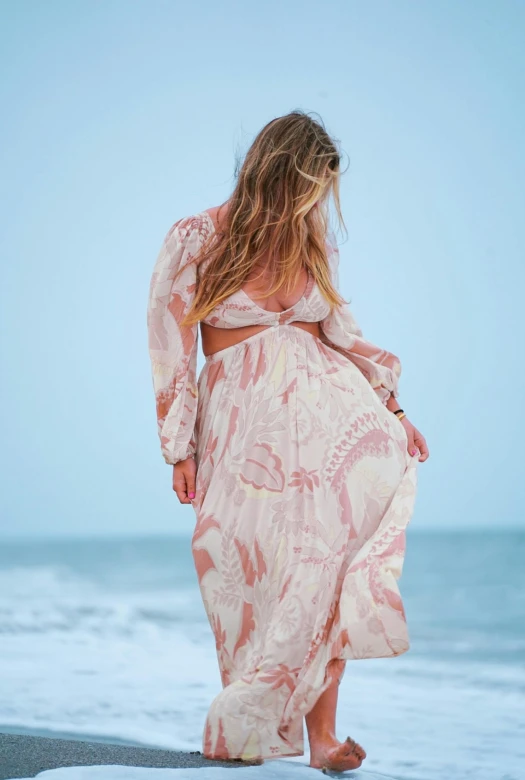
point(337, 757)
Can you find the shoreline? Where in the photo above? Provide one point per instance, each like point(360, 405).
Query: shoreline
point(24, 755)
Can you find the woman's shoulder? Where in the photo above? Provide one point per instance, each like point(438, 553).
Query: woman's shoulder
point(199, 224)
point(187, 235)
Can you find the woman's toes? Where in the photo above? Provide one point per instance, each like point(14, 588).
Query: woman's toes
point(354, 749)
point(345, 756)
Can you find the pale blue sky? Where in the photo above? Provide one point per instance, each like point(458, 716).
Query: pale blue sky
point(121, 117)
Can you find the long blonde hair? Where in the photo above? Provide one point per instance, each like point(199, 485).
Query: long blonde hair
point(278, 210)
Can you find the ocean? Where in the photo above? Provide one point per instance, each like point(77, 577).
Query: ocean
point(108, 639)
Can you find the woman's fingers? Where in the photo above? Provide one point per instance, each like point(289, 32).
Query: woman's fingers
point(412, 449)
point(179, 485)
point(184, 474)
point(190, 483)
point(409, 428)
point(421, 444)
point(415, 441)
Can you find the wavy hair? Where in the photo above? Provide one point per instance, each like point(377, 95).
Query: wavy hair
point(277, 213)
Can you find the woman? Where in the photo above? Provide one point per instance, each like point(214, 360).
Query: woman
point(291, 447)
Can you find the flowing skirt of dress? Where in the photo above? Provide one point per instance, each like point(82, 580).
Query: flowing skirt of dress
point(304, 492)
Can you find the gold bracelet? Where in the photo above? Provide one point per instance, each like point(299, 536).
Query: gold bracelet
point(400, 416)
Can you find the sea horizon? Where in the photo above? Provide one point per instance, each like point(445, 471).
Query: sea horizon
point(7, 536)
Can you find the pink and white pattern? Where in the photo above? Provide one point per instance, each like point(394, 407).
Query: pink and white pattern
point(304, 492)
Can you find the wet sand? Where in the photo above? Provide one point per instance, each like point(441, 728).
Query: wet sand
point(26, 756)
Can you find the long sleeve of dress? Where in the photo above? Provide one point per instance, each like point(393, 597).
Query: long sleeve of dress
point(341, 332)
point(173, 347)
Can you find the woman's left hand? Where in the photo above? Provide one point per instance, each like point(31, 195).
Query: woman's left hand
point(416, 440)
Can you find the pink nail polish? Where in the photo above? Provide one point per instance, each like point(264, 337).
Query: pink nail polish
point(412, 452)
point(191, 495)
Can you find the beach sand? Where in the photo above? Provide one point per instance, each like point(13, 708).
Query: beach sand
point(24, 756)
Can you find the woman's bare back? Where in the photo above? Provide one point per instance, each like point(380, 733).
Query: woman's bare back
point(259, 278)
point(214, 339)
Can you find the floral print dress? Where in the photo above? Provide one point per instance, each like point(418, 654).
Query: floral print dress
point(304, 492)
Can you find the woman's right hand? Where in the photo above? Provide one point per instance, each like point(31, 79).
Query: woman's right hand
point(184, 474)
